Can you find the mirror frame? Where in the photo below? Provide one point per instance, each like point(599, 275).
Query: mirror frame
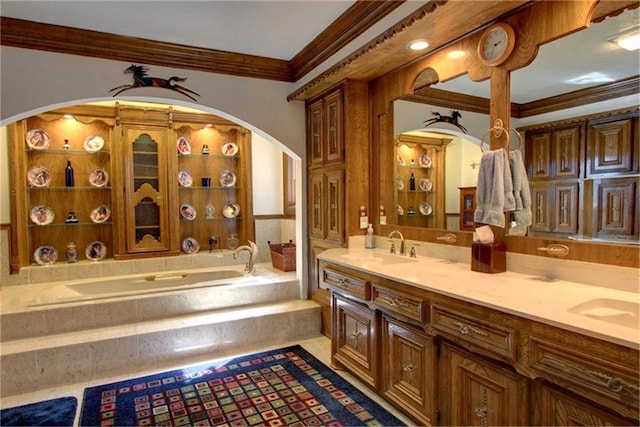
point(410, 79)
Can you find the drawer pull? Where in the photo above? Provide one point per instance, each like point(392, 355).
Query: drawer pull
point(615, 384)
point(464, 329)
point(396, 302)
point(343, 283)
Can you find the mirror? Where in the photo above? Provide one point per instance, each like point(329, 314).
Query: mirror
point(559, 68)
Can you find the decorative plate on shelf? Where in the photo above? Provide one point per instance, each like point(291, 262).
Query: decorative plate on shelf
point(45, 255)
point(231, 210)
point(425, 208)
point(37, 139)
point(401, 161)
point(190, 245)
point(184, 178)
point(100, 214)
point(229, 149)
point(227, 178)
point(426, 184)
point(95, 251)
point(183, 146)
point(98, 177)
point(42, 215)
point(399, 183)
point(188, 212)
point(39, 176)
point(93, 143)
point(399, 210)
point(425, 161)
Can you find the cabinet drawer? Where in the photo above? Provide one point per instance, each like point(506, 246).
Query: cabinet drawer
point(354, 286)
point(400, 303)
point(599, 379)
point(476, 333)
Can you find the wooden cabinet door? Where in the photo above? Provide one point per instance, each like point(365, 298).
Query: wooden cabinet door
point(409, 370)
point(565, 208)
point(146, 189)
point(557, 408)
point(617, 204)
point(316, 205)
point(540, 159)
point(566, 153)
point(541, 206)
point(476, 392)
point(334, 130)
point(610, 147)
point(335, 205)
point(354, 343)
point(315, 132)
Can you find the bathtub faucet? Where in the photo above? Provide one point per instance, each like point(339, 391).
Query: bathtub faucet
point(252, 248)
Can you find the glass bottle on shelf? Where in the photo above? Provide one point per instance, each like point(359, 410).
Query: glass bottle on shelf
point(68, 175)
point(233, 242)
point(412, 182)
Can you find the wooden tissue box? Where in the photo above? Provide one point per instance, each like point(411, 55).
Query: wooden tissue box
point(489, 257)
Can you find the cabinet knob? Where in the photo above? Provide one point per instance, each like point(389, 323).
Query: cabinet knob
point(615, 384)
point(407, 367)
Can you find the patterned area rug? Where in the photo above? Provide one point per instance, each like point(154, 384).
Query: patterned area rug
point(55, 412)
point(274, 388)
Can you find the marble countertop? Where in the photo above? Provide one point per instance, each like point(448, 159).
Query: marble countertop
point(599, 312)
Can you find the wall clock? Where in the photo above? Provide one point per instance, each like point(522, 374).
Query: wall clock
point(496, 44)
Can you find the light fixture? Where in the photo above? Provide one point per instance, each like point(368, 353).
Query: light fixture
point(69, 117)
point(629, 40)
point(418, 45)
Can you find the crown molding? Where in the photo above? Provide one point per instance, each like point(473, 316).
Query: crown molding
point(74, 41)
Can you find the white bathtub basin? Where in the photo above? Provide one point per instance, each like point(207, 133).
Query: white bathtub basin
point(157, 281)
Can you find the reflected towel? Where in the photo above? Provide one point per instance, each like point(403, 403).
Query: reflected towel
point(495, 189)
point(521, 191)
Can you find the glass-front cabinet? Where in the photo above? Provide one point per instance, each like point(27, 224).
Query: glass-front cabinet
point(126, 182)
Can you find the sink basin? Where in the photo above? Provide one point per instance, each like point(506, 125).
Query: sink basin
point(378, 258)
point(618, 312)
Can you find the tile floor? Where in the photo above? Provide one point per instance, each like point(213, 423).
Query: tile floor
point(320, 347)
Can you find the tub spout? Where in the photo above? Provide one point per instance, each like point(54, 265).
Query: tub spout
point(252, 248)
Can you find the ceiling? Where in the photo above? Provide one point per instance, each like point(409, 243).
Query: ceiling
point(281, 29)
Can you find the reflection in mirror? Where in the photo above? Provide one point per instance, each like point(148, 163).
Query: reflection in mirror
point(454, 157)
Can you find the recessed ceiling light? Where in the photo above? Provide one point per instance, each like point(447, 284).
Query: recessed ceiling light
point(418, 45)
point(629, 41)
point(590, 79)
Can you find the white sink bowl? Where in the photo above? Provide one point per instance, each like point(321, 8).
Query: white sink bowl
point(378, 258)
point(618, 312)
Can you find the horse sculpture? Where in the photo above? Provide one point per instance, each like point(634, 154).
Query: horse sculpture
point(140, 79)
point(453, 119)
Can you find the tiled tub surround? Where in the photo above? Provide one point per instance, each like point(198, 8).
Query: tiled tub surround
point(538, 288)
point(54, 344)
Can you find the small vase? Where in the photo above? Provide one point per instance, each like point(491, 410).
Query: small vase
point(71, 255)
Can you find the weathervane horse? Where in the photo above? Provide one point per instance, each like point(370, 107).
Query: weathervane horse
point(140, 79)
point(439, 118)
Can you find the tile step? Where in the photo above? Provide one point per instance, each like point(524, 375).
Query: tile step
point(43, 362)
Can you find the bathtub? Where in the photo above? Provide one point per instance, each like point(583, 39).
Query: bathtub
point(142, 284)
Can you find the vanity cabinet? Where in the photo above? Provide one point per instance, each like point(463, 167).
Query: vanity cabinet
point(134, 150)
point(480, 393)
point(442, 360)
point(408, 369)
point(337, 131)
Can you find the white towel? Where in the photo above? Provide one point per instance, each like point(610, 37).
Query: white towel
point(494, 193)
point(521, 191)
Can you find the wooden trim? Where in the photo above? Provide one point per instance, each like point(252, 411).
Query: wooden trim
point(604, 92)
point(356, 20)
point(75, 41)
point(453, 100)
point(271, 216)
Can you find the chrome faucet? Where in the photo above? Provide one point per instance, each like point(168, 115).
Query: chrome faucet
point(252, 248)
point(402, 248)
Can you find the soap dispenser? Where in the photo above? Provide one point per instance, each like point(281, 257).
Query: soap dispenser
point(369, 242)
